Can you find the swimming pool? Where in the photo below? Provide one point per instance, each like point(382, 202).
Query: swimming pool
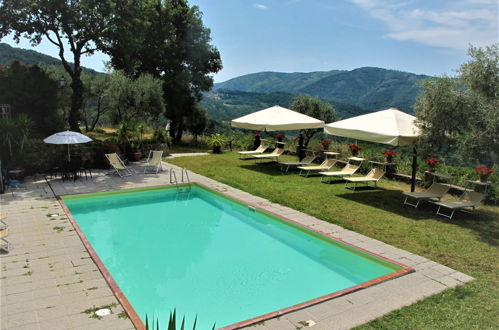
point(205, 254)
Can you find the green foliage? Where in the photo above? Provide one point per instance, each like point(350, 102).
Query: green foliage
point(197, 121)
point(170, 42)
point(172, 323)
point(217, 141)
point(30, 91)
point(82, 24)
point(368, 88)
point(459, 116)
point(134, 99)
point(313, 107)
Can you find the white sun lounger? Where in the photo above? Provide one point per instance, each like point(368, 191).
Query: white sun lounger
point(469, 199)
point(260, 150)
point(118, 165)
point(326, 165)
point(274, 155)
point(305, 161)
point(372, 177)
point(348, 170)
point(4, 232)
point(435, 191)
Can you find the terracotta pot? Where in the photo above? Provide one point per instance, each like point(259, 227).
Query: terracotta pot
point(484, 178)
point(355, 152)
point(431, 168)
point(135, 156)
point(389, 159)
point(326, 147)
point(217, 149)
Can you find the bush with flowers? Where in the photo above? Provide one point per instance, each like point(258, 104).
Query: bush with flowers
point(483, 172)
point(432, 163)
point(389, 154)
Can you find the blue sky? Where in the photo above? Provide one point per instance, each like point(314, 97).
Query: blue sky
point(420, 36)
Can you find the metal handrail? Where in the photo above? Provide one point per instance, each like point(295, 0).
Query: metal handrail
point(173, 175)
point(186, 175)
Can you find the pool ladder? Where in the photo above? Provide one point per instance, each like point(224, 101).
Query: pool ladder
point(173, 179)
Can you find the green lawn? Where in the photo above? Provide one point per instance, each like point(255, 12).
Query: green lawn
point(467, 243)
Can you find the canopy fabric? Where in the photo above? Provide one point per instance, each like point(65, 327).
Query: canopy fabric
point(390, 126)
point(67, 137)
point(276, 118)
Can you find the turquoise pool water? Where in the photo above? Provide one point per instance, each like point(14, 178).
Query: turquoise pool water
point(210, 256)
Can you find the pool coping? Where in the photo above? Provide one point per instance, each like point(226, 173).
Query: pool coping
point(137, 321)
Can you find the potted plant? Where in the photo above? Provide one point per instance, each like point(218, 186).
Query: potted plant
point(389, 154)
point(216, 141)
point(354, 149)
point(483, 173)
point(432, 164)
point(325, 144)
point(257, 141)
point(279, 137)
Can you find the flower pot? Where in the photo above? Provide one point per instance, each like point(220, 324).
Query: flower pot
point(355, 152)
point(484, 177)
point(431, 169)
point(279, 139)
point(389, 159)
point(135, 156)
point(326, 147)
point(217, 149)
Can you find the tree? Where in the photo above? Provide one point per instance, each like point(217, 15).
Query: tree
point(171, 43)
point(30, 90)
point(96, 100)
point(134, 99)
point(197, 122)
point(82, 24)
point(313, 107)
point(459, 116)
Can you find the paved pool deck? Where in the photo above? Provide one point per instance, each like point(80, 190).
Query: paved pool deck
point(48, 279)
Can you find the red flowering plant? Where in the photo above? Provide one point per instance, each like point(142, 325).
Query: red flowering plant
point(279, 135)
point(432, 162)
point(325, 142)
point(258, 133)
point(354, 147)
point(389, 153)
point(483, 170)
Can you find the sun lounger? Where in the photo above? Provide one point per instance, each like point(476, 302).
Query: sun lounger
point(305, 161)
point(435, 191)
point(4, 231)
point(372, 177)
point(153, 164)
point(260, 150)
point(274, 155)
point(118, 165)
point(348, 170)
point(326, 165)
point(469, 199)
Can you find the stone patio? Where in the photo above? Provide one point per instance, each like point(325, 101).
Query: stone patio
point(48, 279)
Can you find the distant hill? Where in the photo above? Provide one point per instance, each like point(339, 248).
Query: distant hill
point(226, 105)
point(8, 54)
point(368, 88)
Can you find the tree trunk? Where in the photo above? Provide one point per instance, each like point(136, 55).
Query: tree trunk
point(76, 102)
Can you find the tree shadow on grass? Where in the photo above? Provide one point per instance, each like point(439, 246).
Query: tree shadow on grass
point(483, 222)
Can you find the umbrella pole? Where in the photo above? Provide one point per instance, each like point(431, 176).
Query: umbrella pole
point(414, 168)
point(69, 155)
point(300, 147)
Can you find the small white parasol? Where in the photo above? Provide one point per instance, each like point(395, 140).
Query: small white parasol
point(67, 137)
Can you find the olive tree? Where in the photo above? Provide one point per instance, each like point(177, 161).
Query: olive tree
point(459, 116)
point(75, 27)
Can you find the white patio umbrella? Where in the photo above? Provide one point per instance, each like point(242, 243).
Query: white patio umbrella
point(277, 118)
point(67, 137)
point(390, 126)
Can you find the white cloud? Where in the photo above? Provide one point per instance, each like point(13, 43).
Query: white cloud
point(260, 6)
point(450, 24)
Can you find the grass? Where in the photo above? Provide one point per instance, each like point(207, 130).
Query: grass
point(467, 243)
